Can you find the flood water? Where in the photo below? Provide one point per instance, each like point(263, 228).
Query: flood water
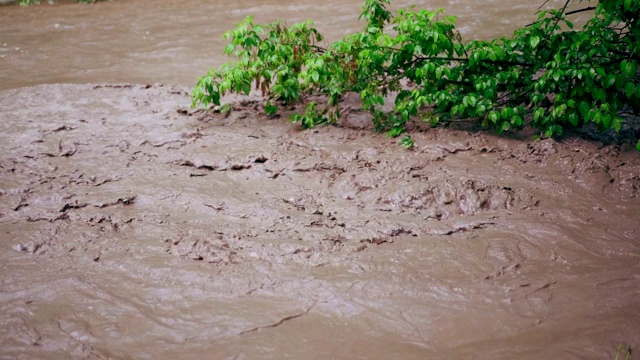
point(176, 41)
point(133, 227)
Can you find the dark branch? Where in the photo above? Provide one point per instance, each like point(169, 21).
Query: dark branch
point(580, 10)
point(498, 62)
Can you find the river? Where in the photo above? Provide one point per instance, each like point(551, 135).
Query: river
point(135, 227)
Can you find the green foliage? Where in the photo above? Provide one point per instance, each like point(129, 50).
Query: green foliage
point(283, 64)
point(310, 118)
point(225, 109)
point(406, 142)
point(547, 74)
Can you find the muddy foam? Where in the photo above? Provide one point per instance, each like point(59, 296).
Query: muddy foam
point(135, 227)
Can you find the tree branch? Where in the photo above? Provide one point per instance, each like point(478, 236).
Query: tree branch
point(499, 62)
point(580, 10)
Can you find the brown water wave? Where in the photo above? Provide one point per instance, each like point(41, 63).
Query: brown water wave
point(166, 41)
point(134, 227)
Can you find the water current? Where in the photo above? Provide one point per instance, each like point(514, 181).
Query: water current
point(135, 227)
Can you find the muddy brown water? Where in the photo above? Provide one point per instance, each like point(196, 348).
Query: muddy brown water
point(132, 227)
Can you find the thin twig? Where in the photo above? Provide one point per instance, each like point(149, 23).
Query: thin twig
point(562, 13)
point(543, 4)
point(279, 322)
point(580, 10)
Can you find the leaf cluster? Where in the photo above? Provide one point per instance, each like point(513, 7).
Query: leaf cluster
point(548, 74)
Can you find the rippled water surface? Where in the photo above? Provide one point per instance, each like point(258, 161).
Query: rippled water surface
point(177, 41)
point(135, 227)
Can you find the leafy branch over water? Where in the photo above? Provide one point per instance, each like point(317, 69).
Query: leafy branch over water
point(547, 74)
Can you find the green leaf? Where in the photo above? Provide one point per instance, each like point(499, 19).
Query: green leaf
point(395, 132)
point(225, 109)
point(624, 64)
point(534, 41)
point(606, 121)
point(538, 113)
point(599, 94)
point(517, 121)
point(270, 109)
point(406, 142)
point(229, 49)
point(638, 145)
point(504, 127)
point(246, 88)
point(439, 73)
point(494, 116)
point(629, 68)
point(574, 119)
point(629, 89)
point(470, 100)
point(616, 123)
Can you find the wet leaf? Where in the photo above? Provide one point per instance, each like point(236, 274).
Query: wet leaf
point(534, 41)
point(629, 89)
